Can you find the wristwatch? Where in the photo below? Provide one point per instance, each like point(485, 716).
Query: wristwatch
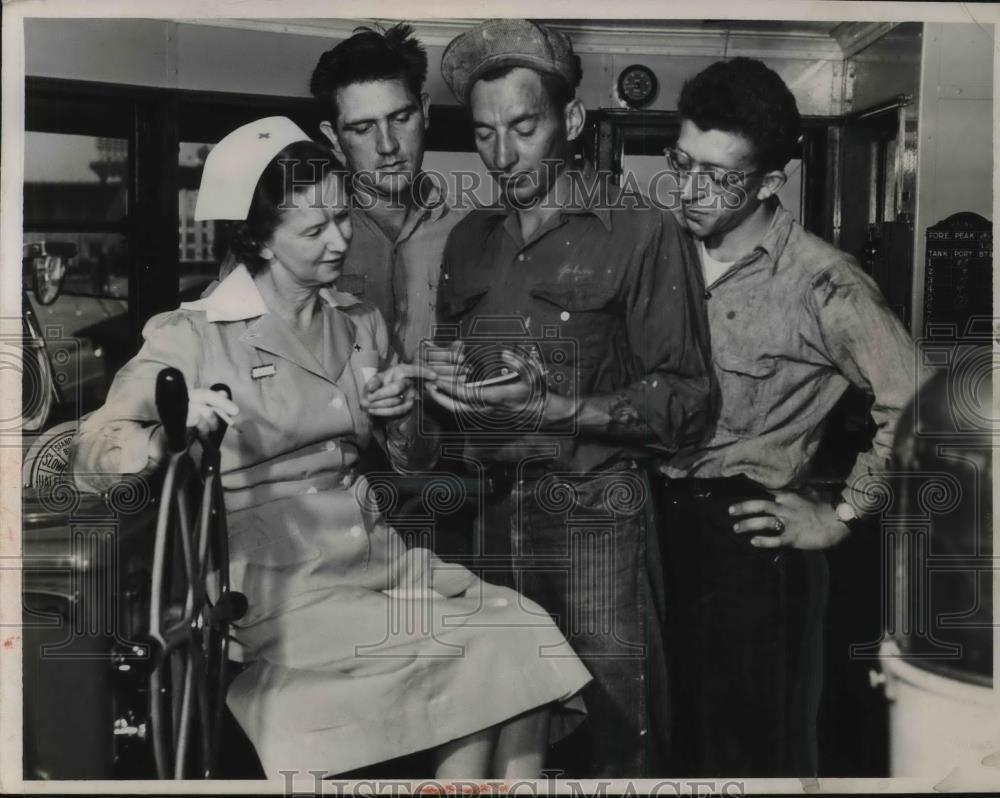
point(846, 513)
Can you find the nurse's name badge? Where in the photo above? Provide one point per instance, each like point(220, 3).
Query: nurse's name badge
point(266, 370)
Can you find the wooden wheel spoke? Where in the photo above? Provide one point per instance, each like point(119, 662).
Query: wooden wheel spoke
point(186, 522)
point(205, 690)
point(159, 715)
point(175, 637)
point(182, 713)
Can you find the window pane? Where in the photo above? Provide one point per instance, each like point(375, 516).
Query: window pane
point(99, 267)
point(651, 140)
point(198, 251)
point(74, 178)
point(85, 325)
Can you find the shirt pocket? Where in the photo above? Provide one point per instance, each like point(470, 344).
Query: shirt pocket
point(747, 385)
point(365, 358)
point(458, 303)
point(585, 314)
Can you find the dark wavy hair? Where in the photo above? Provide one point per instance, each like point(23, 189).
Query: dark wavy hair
point(746, 97)
point(298, 166)
point(369, 55)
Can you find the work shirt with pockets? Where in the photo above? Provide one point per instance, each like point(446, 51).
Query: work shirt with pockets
point(609, 296)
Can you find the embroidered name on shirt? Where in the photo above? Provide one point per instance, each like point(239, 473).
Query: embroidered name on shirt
point(574, 272)
point(259, 372)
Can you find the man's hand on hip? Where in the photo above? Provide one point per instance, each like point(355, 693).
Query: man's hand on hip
point(792, 520)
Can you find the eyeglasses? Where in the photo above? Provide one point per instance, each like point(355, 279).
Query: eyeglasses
point(715, 178)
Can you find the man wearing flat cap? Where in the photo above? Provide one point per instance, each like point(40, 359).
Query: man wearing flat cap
point(595, 312)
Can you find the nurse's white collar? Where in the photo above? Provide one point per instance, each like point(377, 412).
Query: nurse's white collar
point(237, 298)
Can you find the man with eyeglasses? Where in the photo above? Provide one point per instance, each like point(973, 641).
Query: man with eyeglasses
point(793, 323)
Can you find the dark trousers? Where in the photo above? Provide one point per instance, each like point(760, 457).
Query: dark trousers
point(592, 562)
point(744, 638)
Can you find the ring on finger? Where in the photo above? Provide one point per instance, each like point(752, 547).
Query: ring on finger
point(779, 525)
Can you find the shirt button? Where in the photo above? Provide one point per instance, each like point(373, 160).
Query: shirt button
point(522, 257)
point(500, 602)
point(337, 402)
point(564, 315)
point(355, 532)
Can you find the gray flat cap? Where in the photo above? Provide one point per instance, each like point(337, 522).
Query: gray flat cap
point(506, 42)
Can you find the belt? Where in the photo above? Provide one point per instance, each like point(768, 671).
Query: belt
point(499, 478)
point(730, 489)
point(721, 490)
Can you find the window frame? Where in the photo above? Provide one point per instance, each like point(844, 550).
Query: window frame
point(143, 117)
point(156, 121)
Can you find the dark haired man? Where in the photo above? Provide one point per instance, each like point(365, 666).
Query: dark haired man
point(619, 290)
point(372, 86)
point(793, 323)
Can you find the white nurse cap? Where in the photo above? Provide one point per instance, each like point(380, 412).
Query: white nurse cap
point(236, 163)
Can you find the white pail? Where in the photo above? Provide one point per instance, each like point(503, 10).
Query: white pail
point(937, 723)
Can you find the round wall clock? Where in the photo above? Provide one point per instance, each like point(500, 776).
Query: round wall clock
point(637, 85)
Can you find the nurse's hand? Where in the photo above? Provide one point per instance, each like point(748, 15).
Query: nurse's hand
point(391, 393)
point(447, 362)
point(206, 408)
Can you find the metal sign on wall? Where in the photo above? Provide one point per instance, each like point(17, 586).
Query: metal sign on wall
point(959, 274)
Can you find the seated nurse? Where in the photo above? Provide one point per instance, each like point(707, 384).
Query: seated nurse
point(357, 649)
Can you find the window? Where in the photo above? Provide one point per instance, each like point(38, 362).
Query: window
point(93, 231)
point(76, 193)
point(76, 178)
point(199, 264)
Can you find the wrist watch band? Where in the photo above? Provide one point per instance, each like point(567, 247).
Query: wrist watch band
point(846, 513)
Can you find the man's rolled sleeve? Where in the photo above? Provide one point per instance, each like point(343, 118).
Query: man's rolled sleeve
point(668, 333)
point(870, 347)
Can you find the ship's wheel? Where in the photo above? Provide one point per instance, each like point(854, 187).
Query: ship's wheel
point(191, 605)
